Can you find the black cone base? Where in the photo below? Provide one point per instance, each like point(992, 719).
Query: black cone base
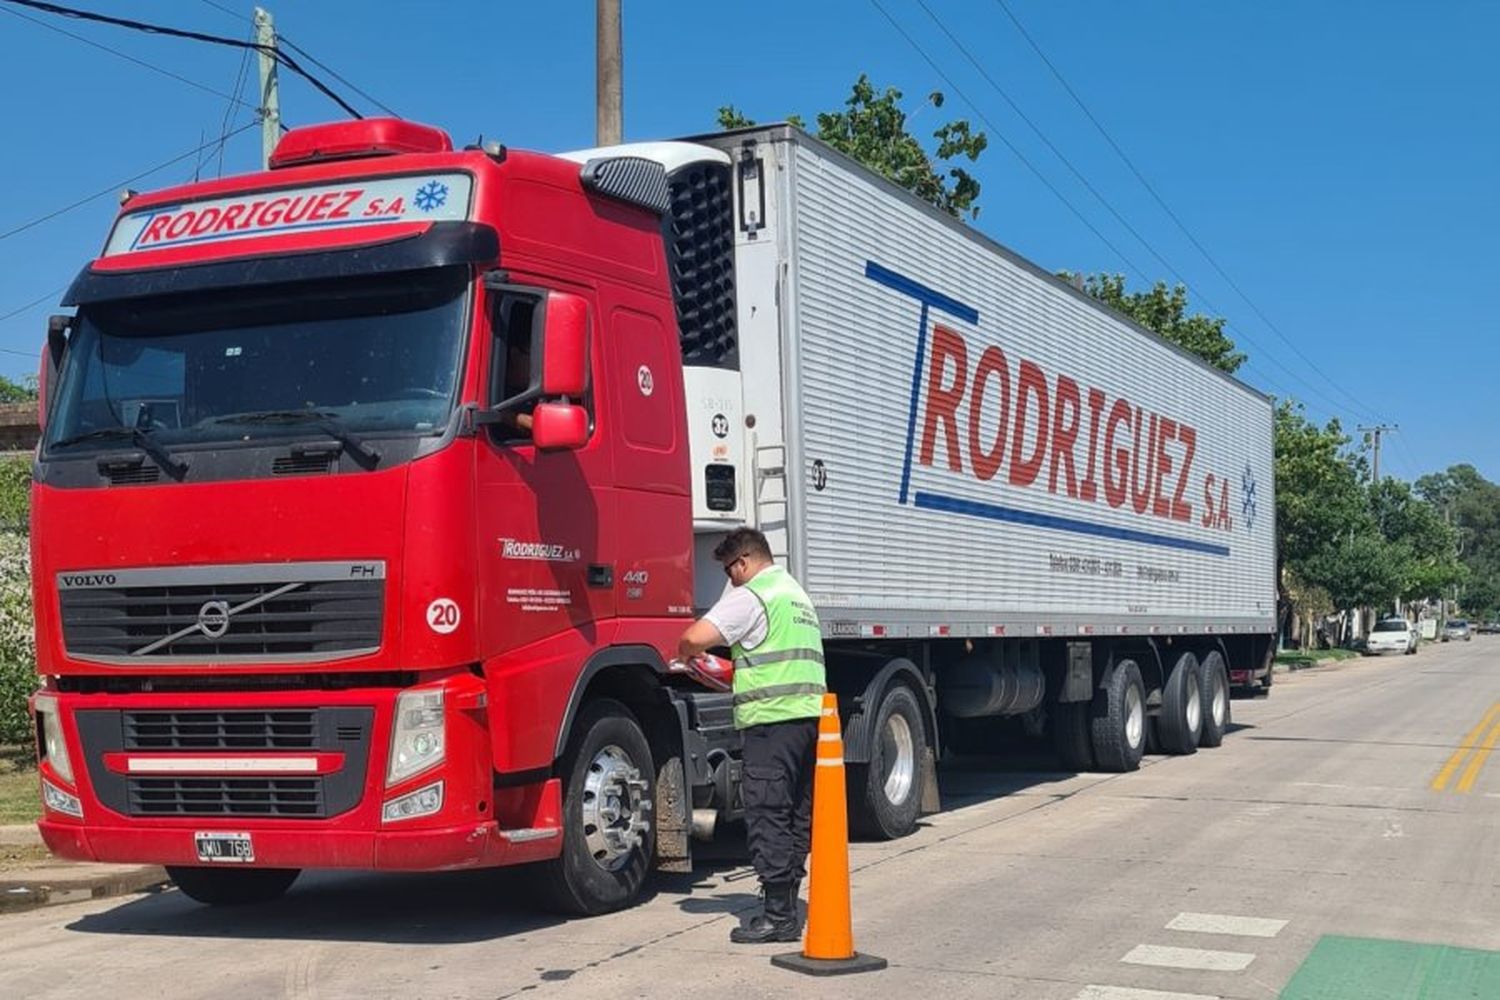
point(798, 962)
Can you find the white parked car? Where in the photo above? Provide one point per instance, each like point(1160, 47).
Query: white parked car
point(1392, 635)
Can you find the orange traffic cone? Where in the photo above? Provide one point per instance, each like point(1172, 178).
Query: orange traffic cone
point(828, 947)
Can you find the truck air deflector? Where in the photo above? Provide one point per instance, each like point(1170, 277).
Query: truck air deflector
point(443, 244)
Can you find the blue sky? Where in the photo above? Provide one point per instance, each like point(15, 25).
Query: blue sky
point(1338, 160)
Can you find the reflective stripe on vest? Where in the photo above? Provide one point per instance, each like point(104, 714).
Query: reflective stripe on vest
point(782, 678)
point(750, 660)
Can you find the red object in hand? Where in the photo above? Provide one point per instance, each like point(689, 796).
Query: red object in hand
point(710, 671)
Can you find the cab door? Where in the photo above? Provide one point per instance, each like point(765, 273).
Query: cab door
point(545, 520)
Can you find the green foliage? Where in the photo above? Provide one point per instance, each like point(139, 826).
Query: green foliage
point(17, 646)
point(1163, 311)
point(1471, 505)
point(24, 391)
point(873, 129)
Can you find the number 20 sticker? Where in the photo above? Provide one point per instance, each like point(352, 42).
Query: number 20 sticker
point(443, 615)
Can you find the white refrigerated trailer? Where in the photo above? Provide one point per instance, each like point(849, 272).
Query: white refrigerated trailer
point(1003, 497)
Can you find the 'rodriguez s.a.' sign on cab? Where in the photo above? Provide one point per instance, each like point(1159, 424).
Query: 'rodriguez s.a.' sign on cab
point(416, 198)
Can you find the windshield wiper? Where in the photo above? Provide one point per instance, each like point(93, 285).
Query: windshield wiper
point(328, 423)
point(140, 437)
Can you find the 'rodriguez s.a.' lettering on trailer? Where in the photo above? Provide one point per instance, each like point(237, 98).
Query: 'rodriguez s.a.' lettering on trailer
point(515, 548)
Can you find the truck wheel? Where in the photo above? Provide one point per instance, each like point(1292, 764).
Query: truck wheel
point(1117, 720)
point(608, 836)
point(1180, 723)
point(886, 792)
point(232, 886)
point(1071, 736)
point(1213, 681)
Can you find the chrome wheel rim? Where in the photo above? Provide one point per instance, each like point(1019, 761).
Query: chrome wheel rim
point(614, 808)
point(1135, 716)
point(1194, 706)
point(898, 752)
point(1221, 702)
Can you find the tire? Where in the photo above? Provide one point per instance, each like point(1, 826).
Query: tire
point(604, 859)
point(1117, 720)
point(1179, 724)
point(232, 886)
point(886, 794)
point(1213, 684)
point(1070, 735)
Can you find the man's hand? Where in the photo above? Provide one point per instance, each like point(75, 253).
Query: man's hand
point(700, 636)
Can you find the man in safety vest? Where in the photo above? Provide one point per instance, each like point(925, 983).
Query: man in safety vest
point(777, 645)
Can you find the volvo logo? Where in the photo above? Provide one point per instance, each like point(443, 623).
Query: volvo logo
point(213, 619)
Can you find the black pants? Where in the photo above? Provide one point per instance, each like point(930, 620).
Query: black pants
point(779, 761)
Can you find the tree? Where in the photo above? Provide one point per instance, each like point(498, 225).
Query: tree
point(1360, 570)
point(1471, 504)
point(1163, 311)
point(873, 129)
point(1427, 542)
point(24, 391)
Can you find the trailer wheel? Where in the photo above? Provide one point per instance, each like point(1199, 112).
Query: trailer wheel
point(1071, 736)
point(608, 836)
point(1179, 725)
point(1213, 681)
point(886, 793)
point(232, 886)
point(1117, 719)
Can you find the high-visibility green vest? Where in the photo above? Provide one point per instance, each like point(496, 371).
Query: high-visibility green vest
point(782, 678)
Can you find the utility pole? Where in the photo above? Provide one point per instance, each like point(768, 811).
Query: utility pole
point(270, 99)
point(1374, 432)
point(609, 124)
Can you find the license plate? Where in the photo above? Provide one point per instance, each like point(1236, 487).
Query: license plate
point(231, 848)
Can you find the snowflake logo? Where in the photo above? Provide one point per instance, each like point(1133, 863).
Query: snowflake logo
point(431, 195)
point(1247, 496)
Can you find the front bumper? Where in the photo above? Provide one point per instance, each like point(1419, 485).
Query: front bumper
point(473, 845)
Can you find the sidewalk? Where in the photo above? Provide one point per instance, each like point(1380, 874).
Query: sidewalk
point(29, 877)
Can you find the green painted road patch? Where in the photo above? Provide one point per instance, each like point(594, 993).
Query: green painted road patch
point(1344, 968)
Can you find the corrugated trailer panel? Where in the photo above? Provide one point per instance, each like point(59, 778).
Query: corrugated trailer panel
point(918, 510)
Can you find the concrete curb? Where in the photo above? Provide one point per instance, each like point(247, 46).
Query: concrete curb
point(52, 885)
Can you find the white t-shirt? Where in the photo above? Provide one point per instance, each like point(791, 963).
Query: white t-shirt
point(740, 617)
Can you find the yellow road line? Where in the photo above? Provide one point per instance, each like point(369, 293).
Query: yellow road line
point(1481, 755)
point(1454, 762)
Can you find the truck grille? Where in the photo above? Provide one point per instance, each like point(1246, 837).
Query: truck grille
point(274, 730)
point(300, 797)
point(165, 733)
point(289, 613)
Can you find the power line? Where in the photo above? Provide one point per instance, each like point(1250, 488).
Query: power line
point(284, 40)
point(335, 74)
point(1150, 189)
point(948, 81)
point(32, 304)
point(1078, 174)
point(196, 36)
point(115, 187)
point(239, 86)
point(128, 58)
point(1008, 144)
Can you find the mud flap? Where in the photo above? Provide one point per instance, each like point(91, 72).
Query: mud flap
point(931, 801)
point(674, 851)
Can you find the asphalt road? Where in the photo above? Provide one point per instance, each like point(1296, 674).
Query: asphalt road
point(1331, 813)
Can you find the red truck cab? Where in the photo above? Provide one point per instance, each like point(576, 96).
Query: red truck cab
point(357, 476)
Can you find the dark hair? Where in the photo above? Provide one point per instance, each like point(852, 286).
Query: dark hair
point(742, 542)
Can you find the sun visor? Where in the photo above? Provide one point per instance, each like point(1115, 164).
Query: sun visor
point(438, 245)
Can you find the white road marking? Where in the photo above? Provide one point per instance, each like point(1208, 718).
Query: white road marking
point(1221, 923)
point(1126, 993)
point(1189, 958)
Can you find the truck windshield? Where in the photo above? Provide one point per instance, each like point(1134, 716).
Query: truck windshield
point(376, 356)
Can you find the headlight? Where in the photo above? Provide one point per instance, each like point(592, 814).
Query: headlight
point(54, 747)
point(60, 801)
point(423, 802)
point(417, 737)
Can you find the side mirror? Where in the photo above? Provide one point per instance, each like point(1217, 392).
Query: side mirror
point(559, 426)
point(565, 339)
point(51, 362)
